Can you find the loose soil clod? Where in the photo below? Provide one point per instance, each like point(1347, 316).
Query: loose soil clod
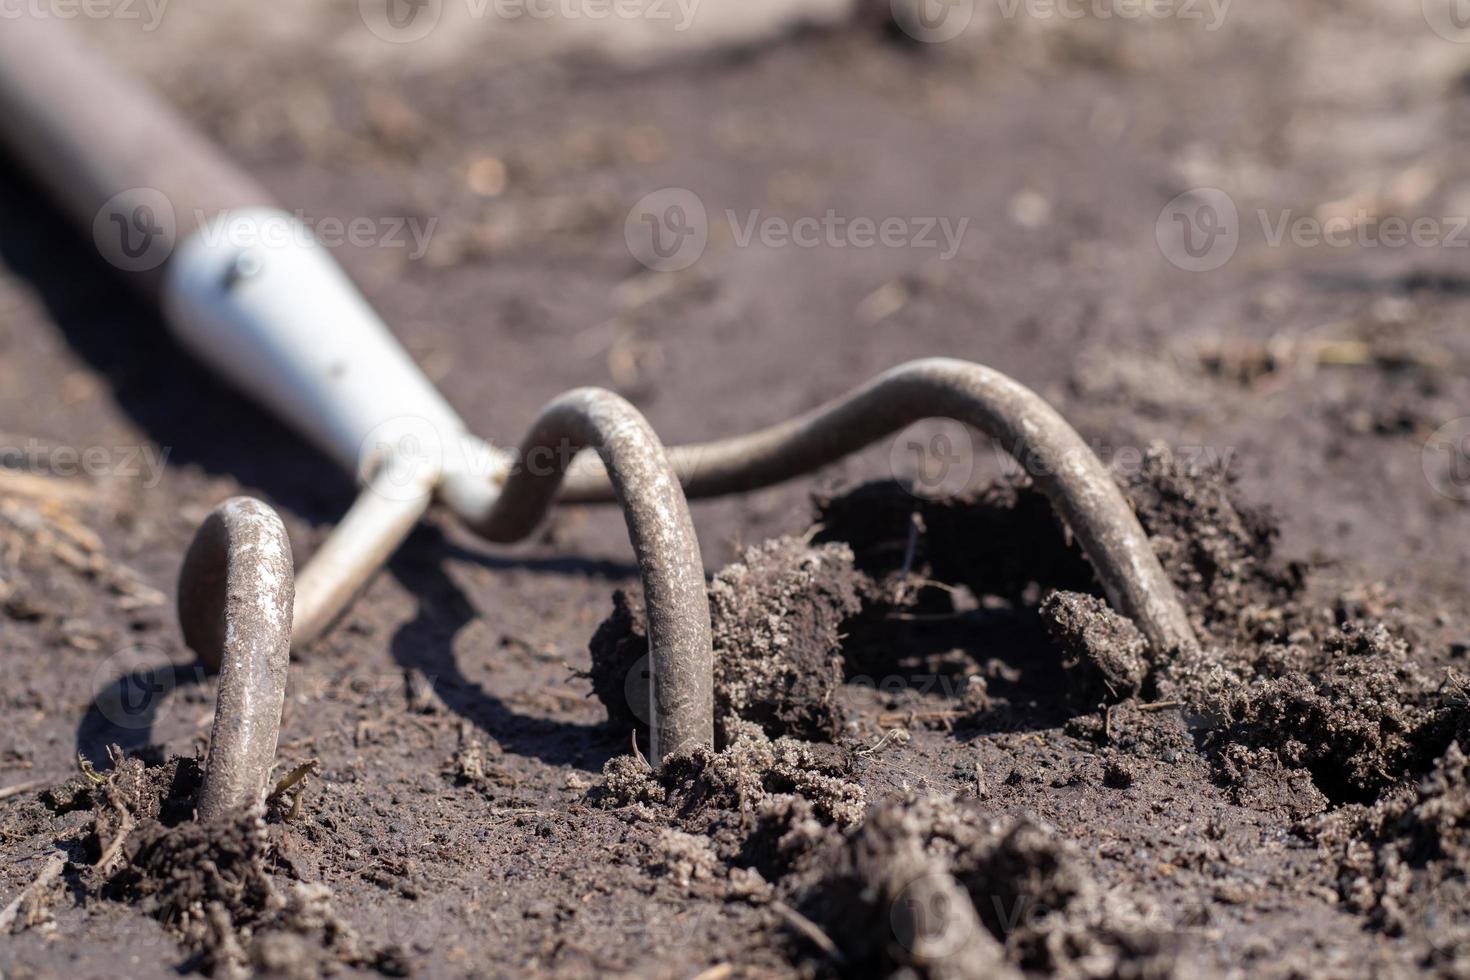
point(1104, 654)
point(776, 617)
point(941, 889)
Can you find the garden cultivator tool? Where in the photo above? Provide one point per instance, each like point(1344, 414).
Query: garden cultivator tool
point(246, 289)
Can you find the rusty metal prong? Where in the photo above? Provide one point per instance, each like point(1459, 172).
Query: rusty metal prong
point(1076, 482)
point(660, 529)
point(236, 593)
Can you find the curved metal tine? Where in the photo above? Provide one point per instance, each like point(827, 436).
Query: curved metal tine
point(662, 534)
point(659, 528)
point(236, 593)
point(1075, 480)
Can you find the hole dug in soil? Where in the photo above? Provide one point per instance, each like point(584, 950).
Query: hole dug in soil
point(1297, 706)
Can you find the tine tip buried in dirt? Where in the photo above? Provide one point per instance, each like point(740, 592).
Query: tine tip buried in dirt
point(236, 593)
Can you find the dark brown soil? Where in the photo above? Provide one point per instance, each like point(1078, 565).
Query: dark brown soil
point(941, 753)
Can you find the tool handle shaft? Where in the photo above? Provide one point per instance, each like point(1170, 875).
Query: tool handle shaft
point(103, 145)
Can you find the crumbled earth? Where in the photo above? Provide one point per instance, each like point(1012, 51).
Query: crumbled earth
point(1103, 652)
point(969, 894)
point(227, 892)
point(775, 615)
point(1288, 803)
point(1289, 724)
point(783, 783)
point(1405, 861)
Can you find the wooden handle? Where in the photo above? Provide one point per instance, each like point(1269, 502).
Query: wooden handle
point(128, 170)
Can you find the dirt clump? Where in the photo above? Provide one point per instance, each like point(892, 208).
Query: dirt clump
point(1104, 654)
point(225, 890)
point(1218, 550)
point(1350, 709)
point(1005, 539)
point(1405, 863)
point(762, 803)
point(1291, 707)
point(777, 615)
point(931, 887)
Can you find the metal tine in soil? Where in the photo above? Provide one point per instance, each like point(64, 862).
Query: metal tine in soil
point(236, 591)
